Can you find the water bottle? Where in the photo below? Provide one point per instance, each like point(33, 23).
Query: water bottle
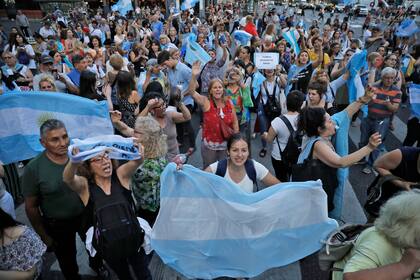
point(181, 158)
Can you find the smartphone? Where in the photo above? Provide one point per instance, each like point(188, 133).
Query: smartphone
point(54, 72)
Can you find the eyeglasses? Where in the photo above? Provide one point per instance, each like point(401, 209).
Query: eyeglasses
point(100, 158)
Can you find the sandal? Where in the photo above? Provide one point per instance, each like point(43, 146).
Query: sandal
point(263, 152)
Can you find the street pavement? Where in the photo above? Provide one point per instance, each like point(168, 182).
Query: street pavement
point(354, 196)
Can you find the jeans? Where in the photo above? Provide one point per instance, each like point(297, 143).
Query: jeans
point(63, 232)
point(368, 127)
point(262, 122)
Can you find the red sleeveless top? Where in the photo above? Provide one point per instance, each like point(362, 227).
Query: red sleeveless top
point(212, 134)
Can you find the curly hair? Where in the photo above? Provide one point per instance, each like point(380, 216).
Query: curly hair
point(153, 138)
point(399, 220)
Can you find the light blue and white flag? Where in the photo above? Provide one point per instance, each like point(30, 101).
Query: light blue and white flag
point(116, 146)
point(290, 37)
point(242, 37)
point(195, 52)
point(188, 4)
point(415, 99)
point(257, 81)
point(123, 7)
point(357, 62)
point(21, 115)
point(407, 28)
point(208, 227)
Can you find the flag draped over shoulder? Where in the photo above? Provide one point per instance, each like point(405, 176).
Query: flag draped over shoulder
point(357, 62)
point(208, 227)
point(123, 7)
point(21, 115)
point(415, 99)
point(257, 81)
point(407, 28)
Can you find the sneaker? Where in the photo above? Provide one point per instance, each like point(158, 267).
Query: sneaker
point(367, 170)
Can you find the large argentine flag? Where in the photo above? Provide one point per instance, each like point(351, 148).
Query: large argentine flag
point(21, 115)
point(208, 227)
point(122, 6)
point(195, 52)
point(415, 99)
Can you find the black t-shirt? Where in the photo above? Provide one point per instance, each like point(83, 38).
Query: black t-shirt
point(407, 169)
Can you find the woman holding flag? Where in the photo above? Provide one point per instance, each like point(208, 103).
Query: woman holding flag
point(300, 73)
point(101, 188)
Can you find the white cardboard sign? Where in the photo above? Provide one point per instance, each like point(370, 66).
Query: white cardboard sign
point(266, 60)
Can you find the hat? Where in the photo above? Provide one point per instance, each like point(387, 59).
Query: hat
point(152, 62)
point(46, 59)
point(163, 56)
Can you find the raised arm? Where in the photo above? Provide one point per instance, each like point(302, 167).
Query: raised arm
point(324, 153)
point(77, 183)
point(126, 171)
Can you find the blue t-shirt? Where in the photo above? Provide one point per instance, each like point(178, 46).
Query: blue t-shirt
point(180, 77)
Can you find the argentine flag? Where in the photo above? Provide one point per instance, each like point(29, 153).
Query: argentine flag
point(290, 37)
point(21, 115)
point(194, 52)
point(188, 4)
point(208, 227)
point(123, 6)
point(242, 37)
point(407, 28)
point(415, 99)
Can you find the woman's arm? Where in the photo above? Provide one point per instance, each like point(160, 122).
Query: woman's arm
point(235, 120)
point(127, 170)
point(201, 100)
point(390, 161)
point(325, 154)
point(184, 116)
point(77, 183)
point(119, 125)
point(409, 264)
point(18, 275)
point(270, 180)
point(270, 135)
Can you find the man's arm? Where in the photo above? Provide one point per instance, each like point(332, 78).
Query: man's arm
point(34, 216)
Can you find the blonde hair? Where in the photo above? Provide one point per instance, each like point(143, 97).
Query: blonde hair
point(48, 79)
point(153, 138)
point(399, 220)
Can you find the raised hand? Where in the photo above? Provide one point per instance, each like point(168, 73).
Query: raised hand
point(374, 141)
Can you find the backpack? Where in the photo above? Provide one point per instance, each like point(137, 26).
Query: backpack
point(272, 108)
point(249, 168)
point(291, 152)
point(338, 244)
point(117, 232)
point(23, 57)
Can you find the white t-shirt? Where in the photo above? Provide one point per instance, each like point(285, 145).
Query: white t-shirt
point(282, 134)
point(246, 183)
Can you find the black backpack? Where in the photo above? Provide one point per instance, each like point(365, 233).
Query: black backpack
point(117, 233)
point(249, 168)
point(272, 108)
point(290, 154)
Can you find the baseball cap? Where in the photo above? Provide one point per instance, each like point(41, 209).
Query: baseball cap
point(46, 59)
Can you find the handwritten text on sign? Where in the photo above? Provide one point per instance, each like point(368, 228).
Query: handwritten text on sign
point(266, 60)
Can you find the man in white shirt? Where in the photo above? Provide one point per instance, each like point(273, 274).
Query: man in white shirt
point(46, 30)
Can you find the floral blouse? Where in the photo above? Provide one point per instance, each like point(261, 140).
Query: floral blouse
point(145, 184)
point(23, 253)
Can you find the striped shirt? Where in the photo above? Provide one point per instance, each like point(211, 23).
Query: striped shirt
point(377, 110)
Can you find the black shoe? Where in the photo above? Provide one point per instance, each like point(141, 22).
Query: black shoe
point(103, 273)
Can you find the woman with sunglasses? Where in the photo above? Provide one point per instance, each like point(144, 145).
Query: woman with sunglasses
point(102, 184)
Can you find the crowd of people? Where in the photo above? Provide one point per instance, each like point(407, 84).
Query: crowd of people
point(304, 107)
